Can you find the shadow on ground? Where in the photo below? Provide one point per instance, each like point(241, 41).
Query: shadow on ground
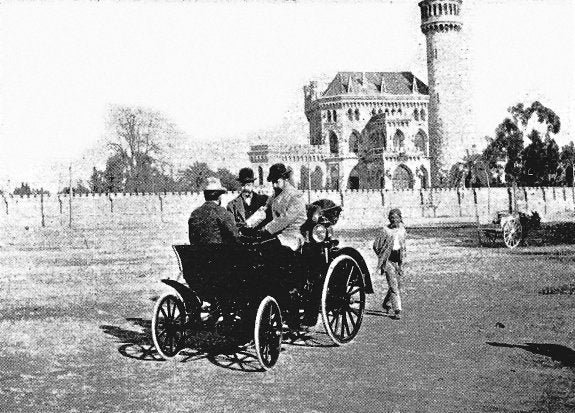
point(557, 352)
point(230, 352)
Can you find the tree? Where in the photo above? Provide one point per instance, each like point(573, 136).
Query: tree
point(194, 177)
point(96, 181)
point(228, 179)
point(138, 136)
point(567, 159)
point(537, 164)
point(24, 189)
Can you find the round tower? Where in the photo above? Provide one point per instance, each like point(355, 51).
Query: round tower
point(448, 101)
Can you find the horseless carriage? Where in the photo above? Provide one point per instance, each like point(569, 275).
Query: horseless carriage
point(236, 292)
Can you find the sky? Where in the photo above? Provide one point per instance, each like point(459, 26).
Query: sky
point(226, 71)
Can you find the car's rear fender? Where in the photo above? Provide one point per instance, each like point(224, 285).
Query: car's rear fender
point(191, 300)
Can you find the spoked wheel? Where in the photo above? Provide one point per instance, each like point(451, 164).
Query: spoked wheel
point(512, 233)
point(342, 299)
point(168, 325)
point(268, 332)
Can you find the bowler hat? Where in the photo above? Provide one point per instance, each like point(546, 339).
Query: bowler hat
point(246, 175)
point(214, 185)
point(278, 170)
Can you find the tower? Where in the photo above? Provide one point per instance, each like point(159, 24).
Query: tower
point(449, 110)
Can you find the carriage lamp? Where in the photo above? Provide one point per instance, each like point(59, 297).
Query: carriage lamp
point(316, 215)
point(319, 233)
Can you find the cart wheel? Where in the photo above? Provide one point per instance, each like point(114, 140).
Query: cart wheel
point(268, 332)
point(512, 233)
point(168, 325)
point(342, 299)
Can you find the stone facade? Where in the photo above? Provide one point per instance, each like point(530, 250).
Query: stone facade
point(370, 130)
point(367, 131)
point(450, 134)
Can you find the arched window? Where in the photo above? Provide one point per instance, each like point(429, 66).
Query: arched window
point(386, 111)
point(334, 116)
point(440, 10)
point(392, 112)
point(356, 114)
point(420, 142)
point(373, 112)
point(435, 9)
point(398, 140)
point(399, 111)
point(354, 139)
point(329, 116)
point(422, 114)
point(416, 114)
point(402, 178)
point(445, 8)
point(333, 143)
point(350, 114)
point(450, 8)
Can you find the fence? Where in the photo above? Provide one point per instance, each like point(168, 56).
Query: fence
point(361, 208)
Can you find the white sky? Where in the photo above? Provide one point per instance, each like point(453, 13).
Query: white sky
point(227, 70)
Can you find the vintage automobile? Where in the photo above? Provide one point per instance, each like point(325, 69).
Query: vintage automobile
point(236, 293)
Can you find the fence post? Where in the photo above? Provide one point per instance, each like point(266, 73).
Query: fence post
point(42, 206)
point(544, 200)
point(459, 201)
point(526, 199)
point(422, 203)
point(161, 207)
point(5, 202)
point(477, 216)
point(111, 203)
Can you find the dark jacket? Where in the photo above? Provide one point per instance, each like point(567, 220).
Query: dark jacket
point(238, 209)
point(212, 224)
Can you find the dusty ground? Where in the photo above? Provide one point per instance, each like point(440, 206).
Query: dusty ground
point(485, 330)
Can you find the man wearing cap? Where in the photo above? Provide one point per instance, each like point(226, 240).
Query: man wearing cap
point(211, 223)
point(248, 202)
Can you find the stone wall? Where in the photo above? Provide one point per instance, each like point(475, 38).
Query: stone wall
point(361, 208)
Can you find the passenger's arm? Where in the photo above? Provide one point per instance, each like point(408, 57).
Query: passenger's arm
point(229, 227)
point(295, 212)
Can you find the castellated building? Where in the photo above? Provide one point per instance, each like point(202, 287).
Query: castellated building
point(367, 130)
point(450, 131)
point(387, 130)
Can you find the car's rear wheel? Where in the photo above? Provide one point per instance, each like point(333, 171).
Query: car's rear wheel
point(168, 321)
point(268, 332)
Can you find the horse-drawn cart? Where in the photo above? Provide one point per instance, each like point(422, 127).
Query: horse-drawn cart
point(511, 227)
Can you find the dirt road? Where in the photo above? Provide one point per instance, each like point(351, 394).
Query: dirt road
point(485, 330)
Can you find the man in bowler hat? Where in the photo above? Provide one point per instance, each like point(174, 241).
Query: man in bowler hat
point(245, 205)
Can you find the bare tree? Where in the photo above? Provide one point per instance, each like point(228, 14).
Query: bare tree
point(139, 138)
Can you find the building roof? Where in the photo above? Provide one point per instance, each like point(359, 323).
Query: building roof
point(374, 83)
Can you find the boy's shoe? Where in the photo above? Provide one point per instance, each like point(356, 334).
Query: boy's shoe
point(397, 315)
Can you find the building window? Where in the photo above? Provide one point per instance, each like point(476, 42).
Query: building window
point(334, 116)
point(354, 142)
point(329, 116)
point(357, 114)
point(350, 114)
point(398, 141)
point(422, 114)
point(333, 143)
point(416, 115)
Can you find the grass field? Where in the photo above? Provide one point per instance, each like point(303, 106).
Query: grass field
point(485, 330)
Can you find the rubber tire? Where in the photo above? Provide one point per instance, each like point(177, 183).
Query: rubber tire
point(324, 294)
point(260, 327)
point(168, 355)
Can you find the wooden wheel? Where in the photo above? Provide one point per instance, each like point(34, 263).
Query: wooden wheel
point(168, 325)
point(268, 332)
point(512, 233)
point(343, 299)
